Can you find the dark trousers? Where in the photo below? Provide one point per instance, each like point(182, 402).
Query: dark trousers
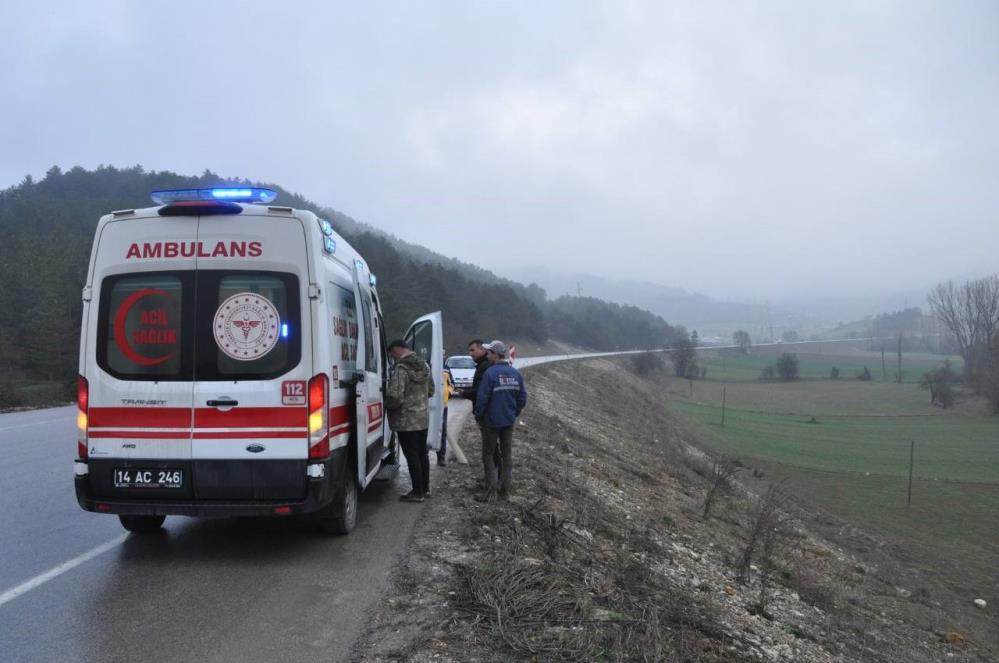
point(498, 440)
point(414, 447)
point(442, 452)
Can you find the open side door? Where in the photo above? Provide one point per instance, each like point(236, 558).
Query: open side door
point(426, 337)
point(368, 389)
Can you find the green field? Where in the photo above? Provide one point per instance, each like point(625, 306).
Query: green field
point(815, 360)
point(957, 448)
point(853, 461)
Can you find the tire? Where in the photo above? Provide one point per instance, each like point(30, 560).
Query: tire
point(142, 524)
point(340, 516)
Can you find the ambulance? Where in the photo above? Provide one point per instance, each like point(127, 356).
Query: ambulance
point(233, 363)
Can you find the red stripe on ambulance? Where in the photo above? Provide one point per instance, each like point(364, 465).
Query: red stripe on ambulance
point(145, 417)
point(251, 417)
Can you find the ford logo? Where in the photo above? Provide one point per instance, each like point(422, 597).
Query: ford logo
point(255, 448)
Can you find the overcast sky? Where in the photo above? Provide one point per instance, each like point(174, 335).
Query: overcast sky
point(737, 149)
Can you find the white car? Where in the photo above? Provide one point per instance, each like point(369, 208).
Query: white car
point(462, 369)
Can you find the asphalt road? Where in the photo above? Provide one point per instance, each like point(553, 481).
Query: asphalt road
point(75, 587)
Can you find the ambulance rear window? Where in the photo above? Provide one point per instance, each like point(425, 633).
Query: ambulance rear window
point(209, 325)
point(248, 325)
point(143, 331)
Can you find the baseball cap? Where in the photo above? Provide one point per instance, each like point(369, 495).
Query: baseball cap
point(496, 347)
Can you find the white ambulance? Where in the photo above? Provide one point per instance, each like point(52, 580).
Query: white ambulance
point(232, 362)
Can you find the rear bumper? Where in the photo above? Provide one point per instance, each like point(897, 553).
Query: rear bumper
point(318, 493)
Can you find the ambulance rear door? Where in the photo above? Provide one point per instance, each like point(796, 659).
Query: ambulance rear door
point(426, 337)
point(139, 359)
point(253, 357)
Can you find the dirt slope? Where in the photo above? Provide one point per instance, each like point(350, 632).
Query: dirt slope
point(603, 553)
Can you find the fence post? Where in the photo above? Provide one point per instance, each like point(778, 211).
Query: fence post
point(723, 407)
point(912, 453)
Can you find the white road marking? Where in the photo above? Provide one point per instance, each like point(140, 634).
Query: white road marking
point(57, 571)
point(36, 423)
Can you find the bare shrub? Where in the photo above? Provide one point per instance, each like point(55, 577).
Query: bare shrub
point(646, 363)
point(765, 518)
point(810, 584)
point(719, 481)
point(774, 542)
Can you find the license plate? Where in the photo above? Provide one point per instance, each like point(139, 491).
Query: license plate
point(137, 477)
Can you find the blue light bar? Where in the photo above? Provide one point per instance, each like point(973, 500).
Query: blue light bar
point(329, 244)
point(326, 227)
point(284, 330)
point(232, 194)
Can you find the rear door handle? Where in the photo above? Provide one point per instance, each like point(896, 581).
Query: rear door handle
point(223, 403)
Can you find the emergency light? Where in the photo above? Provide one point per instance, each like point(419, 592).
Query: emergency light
point(229, 194)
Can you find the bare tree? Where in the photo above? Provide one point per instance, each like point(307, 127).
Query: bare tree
point(988, 374)
point(971, 314)
point(742, 339)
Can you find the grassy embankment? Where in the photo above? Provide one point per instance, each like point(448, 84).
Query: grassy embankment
point(853, 461)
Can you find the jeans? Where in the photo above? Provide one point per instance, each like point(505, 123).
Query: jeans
point(414, 447)
point(498, 442)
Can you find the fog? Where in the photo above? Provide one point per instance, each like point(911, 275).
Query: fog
point(741, 150)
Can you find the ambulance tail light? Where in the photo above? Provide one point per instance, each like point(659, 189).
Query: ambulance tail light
point(82, 416)
point(319, 437)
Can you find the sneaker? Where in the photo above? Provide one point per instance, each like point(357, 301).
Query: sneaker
point(426, 495)
point(411, 496)
point(486, 496)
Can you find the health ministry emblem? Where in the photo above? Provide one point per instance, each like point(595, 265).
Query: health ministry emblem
point(246, 326)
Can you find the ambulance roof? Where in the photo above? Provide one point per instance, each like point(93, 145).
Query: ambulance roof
point(218, 201)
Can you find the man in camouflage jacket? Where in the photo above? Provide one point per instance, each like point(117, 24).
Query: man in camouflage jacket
point(406, 400)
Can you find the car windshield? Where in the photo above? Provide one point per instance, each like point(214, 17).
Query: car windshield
point(460, 362)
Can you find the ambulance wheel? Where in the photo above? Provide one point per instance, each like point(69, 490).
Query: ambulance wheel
point(142, 524)
point(340, 516)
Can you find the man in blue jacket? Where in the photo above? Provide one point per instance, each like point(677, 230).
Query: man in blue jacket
point(500, 400)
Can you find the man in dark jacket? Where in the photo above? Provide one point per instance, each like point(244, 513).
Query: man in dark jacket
point(477, 351)
point(406, 404)
point(501, 398)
